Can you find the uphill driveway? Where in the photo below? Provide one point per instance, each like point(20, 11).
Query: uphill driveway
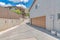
point(25, 32)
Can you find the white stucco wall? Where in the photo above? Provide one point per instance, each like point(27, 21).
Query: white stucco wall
point(55, 7)
point(48, 8)
point(43, 8)
point(57, 10)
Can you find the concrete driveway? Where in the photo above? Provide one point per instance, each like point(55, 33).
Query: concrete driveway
point(25, 32)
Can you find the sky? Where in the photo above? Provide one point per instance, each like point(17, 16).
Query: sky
point(23, 3)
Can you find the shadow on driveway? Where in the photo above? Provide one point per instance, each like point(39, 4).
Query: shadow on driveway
point(42, 29)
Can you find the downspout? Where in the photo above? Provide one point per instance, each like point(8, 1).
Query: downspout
point(53, 21)
point(31, 21)
point(30, 18)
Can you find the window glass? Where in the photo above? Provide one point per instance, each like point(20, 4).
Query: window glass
point(36, 6)
point(59, 16)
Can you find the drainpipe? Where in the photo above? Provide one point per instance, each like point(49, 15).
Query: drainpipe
point(30, 19)
point(53, 17)
point(53, 31)
point(53, 21)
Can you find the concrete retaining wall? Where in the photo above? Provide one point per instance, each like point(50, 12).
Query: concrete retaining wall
point(8, 23)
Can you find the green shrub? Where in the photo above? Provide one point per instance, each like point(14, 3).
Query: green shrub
point(27, 14)
point(17, 11)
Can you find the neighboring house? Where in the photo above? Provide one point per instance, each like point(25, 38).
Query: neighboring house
point(46, 14)
point(8, 18)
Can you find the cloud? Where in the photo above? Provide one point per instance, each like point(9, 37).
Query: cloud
point(4, 5)
point(25, 1)
point(21, 5)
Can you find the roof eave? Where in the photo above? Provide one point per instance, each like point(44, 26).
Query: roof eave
point(32, 5)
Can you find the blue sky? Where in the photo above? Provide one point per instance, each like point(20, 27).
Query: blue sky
point(24, 3)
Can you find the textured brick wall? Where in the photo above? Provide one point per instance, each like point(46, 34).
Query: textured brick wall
point(39, 21)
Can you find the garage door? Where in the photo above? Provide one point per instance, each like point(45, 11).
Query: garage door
point(39, 21)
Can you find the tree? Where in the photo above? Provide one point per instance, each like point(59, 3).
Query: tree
point(17, 11)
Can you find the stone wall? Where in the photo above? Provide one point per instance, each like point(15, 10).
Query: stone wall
point(8, 23)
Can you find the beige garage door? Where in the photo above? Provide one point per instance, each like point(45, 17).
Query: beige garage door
point(39, 21)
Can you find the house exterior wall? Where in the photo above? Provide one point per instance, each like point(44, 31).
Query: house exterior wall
point(55, 10)
point(47, 8)
point(44, 7)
